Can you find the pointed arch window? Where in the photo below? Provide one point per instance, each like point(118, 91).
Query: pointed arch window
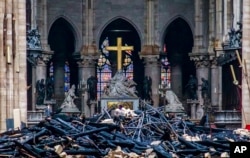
point(165, 72)
point(104, 74)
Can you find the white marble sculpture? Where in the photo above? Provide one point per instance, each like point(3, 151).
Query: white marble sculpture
point(174, 104)
point(120, 86)
point(68, 104)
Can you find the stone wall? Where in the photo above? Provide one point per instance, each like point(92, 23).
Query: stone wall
point(132, 11)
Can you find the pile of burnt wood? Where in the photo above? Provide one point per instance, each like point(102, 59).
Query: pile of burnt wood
point(148, 133)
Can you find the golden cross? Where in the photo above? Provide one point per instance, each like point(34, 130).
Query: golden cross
point(119, 48)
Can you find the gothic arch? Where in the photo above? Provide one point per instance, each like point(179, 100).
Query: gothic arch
point(177, 41)
point(122, 27)
point(62, 41)
point(72, 27)
point(112, 20)
point(163, 31)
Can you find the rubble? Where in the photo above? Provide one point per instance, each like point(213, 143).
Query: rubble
point(150, 133)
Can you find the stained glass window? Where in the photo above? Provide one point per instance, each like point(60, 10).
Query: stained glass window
point(128, 67)
point(66, 77)
point(165, 72)
point(51, 69)
point(104, 74)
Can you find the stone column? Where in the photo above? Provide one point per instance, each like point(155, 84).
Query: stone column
point(87, 69)
point(212, 21)
point(150, 50)
point(199, 53)
point(150, 23)
point(219, 20)
point(199, 46)
point(33, 14)
point(3, 114)
point(246, 61)
point(22, 63)
point(176, 79)
point(202, 71)
point(229, 15)
point(13, 72)
point(215, 82)
point(152, 69)
point(59, 81)
point(236, 12)
point(9, 57)
point(39, 60)
point(41, 21)
point(89, 52)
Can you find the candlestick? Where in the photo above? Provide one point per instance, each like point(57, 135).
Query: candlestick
point(239, 59)
point(233, 74)
point(8, 55)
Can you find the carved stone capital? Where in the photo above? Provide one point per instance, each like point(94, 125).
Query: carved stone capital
point(39, 56)
point(89, 50)
point(214, 62)
point(200, 59)
point(150, 50)
point(151, 59)
point(87, 61)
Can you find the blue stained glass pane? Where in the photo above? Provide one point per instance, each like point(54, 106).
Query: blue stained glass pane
point(103, 75)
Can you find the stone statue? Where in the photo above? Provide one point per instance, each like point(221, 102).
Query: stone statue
point(147, 88)
point(174, 104)
point(69, 99)
point(204, 88)
point(192, 87)
point(40, 91)
point(92, 88)
point(49, 88)
point(33, 39)
point(171, 97)
point(120, 86)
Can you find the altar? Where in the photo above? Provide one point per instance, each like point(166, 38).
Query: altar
point(115, 102)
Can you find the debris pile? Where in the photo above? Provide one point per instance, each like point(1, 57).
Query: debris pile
point(149, 133)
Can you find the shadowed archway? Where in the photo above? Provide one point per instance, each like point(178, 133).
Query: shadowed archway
point(62, 41)
point(179, 42)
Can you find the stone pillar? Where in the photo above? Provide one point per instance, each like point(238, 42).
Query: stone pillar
point(13, 60)
point(89, 52)
point(176, 79)
point(152, 69)
point(39, 59)
point(150, 23)
point(41, 21)
point(150, 51)
point(199, 46)
point(88, 14)
point(59, 81)
point(9, 51)
point(202, 71)
point(215, 82)
point(246, 61)
point(3, 108)
point(33, 14)
point(219, 21)
point(212, 20)
point(22, 60)
point(236, 12)
point(87, 69)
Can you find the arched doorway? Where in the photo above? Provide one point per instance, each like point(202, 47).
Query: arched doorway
point(122, 28)
point(178, 43)
point(62, 41)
